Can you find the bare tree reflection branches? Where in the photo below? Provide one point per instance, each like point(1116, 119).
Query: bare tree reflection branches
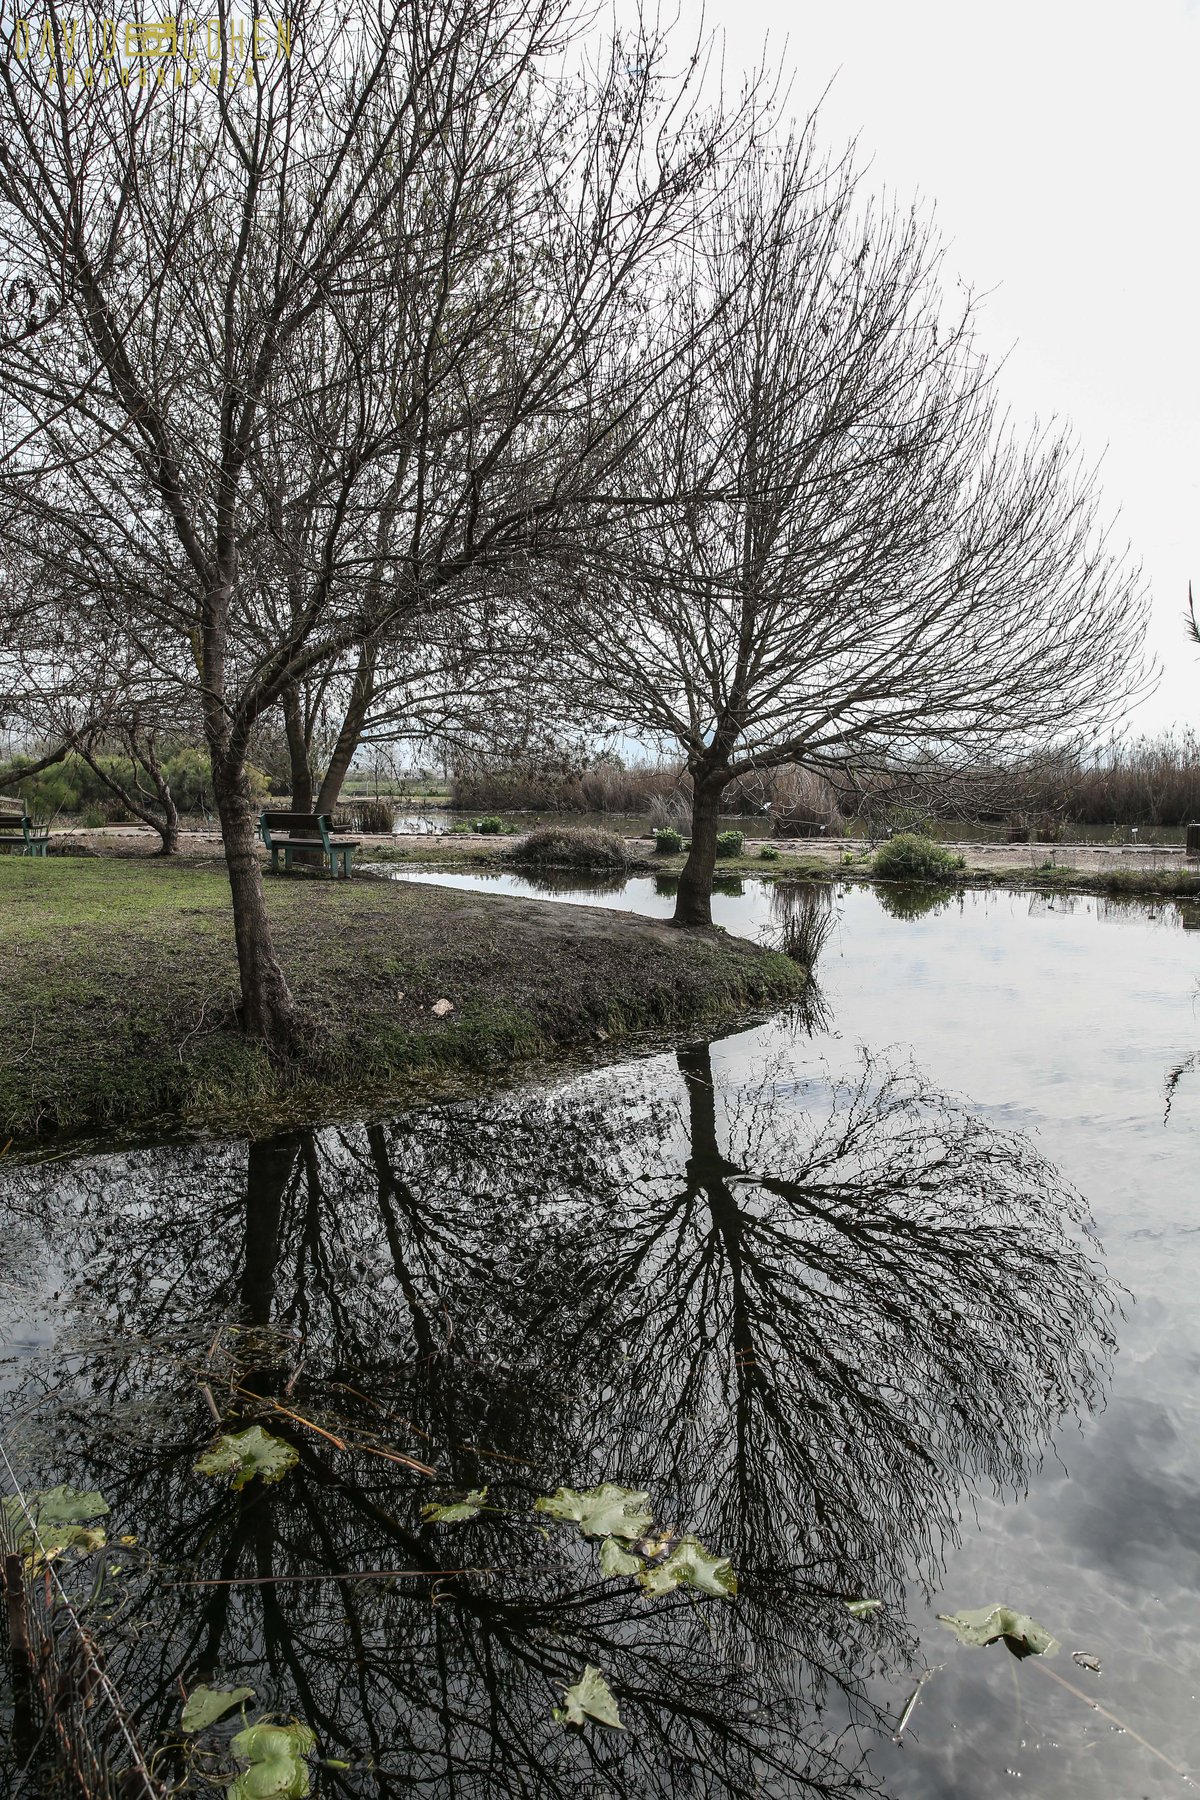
point(801, 1311)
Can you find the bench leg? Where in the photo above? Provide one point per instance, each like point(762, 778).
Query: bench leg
point(274, 849)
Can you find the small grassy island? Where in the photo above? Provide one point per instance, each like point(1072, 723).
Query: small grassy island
point(119, 989)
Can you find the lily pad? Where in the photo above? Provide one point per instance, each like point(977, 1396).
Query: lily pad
point(590, 1697)
point(616, 1561)
point(244, 1454)
point(1021, 1634)
point(204, 1705)
point(60, 1515)
point(276, 1756)
point(605, 1511)
point(453, 1512)
point(691, 1565)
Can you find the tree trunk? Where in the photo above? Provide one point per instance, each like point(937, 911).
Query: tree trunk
point(168, 826)
point(168, 831)
point(267, 1008)
point(693, 904)
point(361, 695)
point(301, 775)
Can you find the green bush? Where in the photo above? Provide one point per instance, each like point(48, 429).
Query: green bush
point(768, 853)
point(556, 847)
point(73, 788)
point(907, 857)
point(667, 841)
point(489, 827)
point(730, 843)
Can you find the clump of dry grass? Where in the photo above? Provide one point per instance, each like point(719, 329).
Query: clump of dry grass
point(557, 847)
point(603, 788)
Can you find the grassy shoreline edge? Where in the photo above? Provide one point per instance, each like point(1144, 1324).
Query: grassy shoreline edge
point(118, 990)
point(1160, 884)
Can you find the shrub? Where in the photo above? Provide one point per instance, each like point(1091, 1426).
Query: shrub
point(564, 783)
point(730, 843)
point(907, 857)
point(768, 853)
point(375, 816)
point(489, 827)
point(667, 841)
point(556, 847)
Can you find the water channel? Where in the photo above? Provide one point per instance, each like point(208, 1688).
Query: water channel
point(891, 1297)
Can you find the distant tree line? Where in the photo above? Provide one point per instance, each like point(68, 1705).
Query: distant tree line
point(1142, 781)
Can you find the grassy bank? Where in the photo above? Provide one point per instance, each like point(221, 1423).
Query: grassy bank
point(118, 986)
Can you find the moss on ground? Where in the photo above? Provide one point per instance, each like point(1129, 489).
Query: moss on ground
point(118, 990)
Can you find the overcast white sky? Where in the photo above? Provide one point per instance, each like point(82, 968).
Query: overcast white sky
point(1059, 144)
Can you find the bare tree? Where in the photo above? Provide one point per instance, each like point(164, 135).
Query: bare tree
point(295, 346)
point(830, 546)
point(81, 688)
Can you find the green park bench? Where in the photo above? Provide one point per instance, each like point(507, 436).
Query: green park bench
point(18, 832)
point(305, 832)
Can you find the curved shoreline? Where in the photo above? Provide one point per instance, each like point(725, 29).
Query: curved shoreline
point(118, 987)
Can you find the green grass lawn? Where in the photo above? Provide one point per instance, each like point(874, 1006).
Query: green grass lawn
point(118, 991)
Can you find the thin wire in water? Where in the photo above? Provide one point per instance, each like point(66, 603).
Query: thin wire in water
point(68, 1692)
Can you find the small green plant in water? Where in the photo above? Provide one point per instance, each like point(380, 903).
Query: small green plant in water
point(984, 1624)
point(730, 843)
point(276, 1755)
point(667, 841)
point(61, 1521)
point(453, 1512)
point(606, 1511)
point(244, 1454)
point(489, 827)
point(590, 1697)
point(768, 853)
point(205, 1705)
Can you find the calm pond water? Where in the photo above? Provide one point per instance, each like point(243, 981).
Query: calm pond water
point(891, 1297)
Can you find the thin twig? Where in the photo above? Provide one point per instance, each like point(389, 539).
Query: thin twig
point(298, 1417)
point(1113, 1720)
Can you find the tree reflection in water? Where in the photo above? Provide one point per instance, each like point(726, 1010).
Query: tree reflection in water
point(799, 1312)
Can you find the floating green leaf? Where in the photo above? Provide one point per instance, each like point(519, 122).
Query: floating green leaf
point(59, 1515)
point(606, 1511)
point(691, 1565)
point(244, 1454)
point(616, 1561)
point(204, 1705)
point(590, 1697)
point(985, 1624)
point(276, 1756)
point(861, 1609)
point(452, 1512)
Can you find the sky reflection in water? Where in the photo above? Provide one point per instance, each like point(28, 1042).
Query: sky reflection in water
point(811, 1301)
